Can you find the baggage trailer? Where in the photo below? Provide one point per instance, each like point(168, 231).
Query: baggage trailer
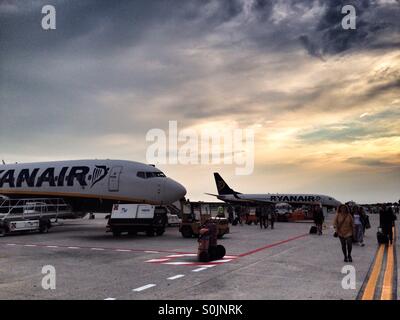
point(134, 218)
point(30, 215)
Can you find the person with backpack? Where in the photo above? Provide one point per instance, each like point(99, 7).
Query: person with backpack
point(344, 224)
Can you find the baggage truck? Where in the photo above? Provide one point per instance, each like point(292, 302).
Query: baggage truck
point(134, 218)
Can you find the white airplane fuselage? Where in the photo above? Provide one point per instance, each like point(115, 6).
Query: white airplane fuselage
point(90, 184)
point(275, 198)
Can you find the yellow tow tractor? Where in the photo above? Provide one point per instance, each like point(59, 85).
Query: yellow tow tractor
point(190, 226)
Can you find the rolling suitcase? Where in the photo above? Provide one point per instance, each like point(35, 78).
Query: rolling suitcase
point(313, 230)
point(382, 237)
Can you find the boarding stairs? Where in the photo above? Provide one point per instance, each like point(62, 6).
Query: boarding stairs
point(33, 209)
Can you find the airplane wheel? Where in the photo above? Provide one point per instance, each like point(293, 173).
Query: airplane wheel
point(44, 229)
point(2, 232)
point(160, 232)
point(44, 226)
point(116, 233)
point(150, 233)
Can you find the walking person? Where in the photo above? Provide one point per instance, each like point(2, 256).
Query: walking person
point(258, 215)
point(271, 215)
point(230, 214)
point(387, 222)
point(263, 217)
point(358, 234)
point(343, 224)
point(364, 219)
point(238, 213)
point(318, 218)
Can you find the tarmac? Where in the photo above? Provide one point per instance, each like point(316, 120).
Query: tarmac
point(284, 263)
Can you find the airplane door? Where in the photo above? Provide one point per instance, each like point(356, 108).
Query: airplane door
point(160, 190)
point(113, 180)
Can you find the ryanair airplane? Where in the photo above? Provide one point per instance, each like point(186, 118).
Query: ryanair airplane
point(225, 193)
point(90, 185)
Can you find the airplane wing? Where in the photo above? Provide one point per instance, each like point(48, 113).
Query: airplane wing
point(211, 194)
point(255, 201)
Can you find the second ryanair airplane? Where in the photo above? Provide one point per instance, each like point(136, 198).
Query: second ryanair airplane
point(225, 193)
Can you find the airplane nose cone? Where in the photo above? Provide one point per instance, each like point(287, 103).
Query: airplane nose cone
point(174, 191)
point(181, 190)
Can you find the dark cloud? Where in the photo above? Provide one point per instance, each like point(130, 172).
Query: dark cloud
point(110, 65)
point(377, 27)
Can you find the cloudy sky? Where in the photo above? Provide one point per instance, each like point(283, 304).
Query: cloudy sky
point(324, 102)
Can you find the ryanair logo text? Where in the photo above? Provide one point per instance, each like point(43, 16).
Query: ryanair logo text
point(50, 177)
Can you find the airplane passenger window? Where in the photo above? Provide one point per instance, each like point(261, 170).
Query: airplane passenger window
point(140, 174)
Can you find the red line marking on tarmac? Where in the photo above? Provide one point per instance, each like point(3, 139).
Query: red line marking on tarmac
point(174, 259)
point(271, 245)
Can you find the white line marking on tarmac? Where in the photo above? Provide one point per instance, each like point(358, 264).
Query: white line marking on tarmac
point(73, 248)
point(208, 266)
point(157, 260)
point(176, 277)
point(110, 299)
point(97, 249)
point(222, 261)
point(199, 269)
point(182, 255)
point(29, 245)
point(178, 263)
point(149, 251)
point(147, 286)
point(52, 246)
point(11, 244)
point(123, 250)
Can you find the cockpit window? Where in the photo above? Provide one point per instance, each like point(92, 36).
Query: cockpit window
point(141, 174)
point(159, 174)
point(150, 174)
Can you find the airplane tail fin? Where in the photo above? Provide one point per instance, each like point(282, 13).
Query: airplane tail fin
point(222, 186)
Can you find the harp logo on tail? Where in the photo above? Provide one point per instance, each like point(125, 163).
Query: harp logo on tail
point(221, 185)
point(99, 173)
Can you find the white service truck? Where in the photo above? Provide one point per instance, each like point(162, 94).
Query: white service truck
point(134, 218)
